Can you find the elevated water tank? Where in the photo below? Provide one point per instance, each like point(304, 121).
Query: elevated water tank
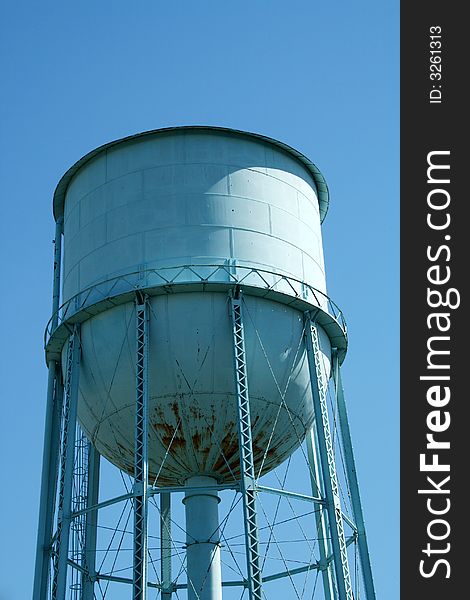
point(185, 215)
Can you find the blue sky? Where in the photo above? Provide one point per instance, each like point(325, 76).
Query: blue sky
point(322, 77)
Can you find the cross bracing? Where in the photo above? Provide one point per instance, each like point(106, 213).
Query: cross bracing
point(291, 537)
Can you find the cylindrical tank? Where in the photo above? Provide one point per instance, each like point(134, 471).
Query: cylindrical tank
point(190, 196)
point(199, 203)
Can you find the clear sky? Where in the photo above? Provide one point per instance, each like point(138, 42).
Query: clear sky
point(320, 76)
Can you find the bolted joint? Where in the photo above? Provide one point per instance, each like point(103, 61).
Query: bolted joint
point(168, 589)
point(140, 297)
point(323, 564)
point(311, 315)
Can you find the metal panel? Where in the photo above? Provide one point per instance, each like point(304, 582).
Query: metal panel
point(320, 517)
point(204, 577)
point(51, 441)
point(193, 205)
point(204, 150)
point(191, 385)
point(48, 481)
point(204, 196)
point(91, 522)
point(191, 194)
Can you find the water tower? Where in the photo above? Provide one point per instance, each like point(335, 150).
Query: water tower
point(193, 346)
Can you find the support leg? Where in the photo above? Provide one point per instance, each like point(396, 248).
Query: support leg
point(51, 443)
point(69, 420)
point(247, 480)
point(89, 563)
point(141, 453)
point(328, 467)
point(50, 463)
point(353, 483)
point(322, 532)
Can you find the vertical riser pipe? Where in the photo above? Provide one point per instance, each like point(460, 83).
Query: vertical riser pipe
point(202, 541)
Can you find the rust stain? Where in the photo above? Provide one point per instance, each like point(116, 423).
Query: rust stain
point(190, 435)
point(166, 432)
point(175, 407)
point(228, 450)
point(176, 443)
point(197, 441)
point(195, 413)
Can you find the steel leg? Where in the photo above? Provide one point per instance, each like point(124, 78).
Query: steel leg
point(328, 467)
point(353, 483)
point(247, 482)
point(69, 420)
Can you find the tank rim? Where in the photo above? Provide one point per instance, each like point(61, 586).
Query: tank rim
point(55, 339)
point(320, 183)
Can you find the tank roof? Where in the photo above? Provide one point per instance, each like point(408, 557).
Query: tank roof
point(321, 185)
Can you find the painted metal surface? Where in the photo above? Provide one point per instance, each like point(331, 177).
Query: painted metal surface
point(328, 466)
point(156, 282)
point(320, 517)
point(205, 212)
point(191, 196)
point(141, 422)
point(66, 474)
point(192, 404)
point(204, 575)
point(320, 183)
point(245, 444)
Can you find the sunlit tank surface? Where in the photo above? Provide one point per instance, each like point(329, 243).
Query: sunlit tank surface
point(193, 196)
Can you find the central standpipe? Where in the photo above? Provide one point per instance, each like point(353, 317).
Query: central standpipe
point(203, 540)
